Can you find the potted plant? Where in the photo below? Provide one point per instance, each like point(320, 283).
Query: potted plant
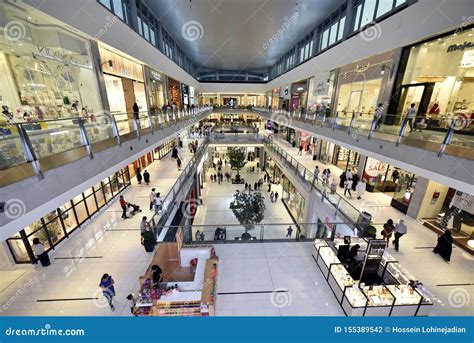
point(237, 160)
point(249, 209)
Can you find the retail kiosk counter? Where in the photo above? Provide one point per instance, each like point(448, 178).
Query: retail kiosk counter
point(394, 297)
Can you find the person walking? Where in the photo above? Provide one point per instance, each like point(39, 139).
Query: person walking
point(348, 187)
point(289, 231)
point(108, 289)
point(139, 176)
point(178, 162)
point(400, 230)
point(378, 115)
point(272, 196)
point(360, 189)
point(276, 196)
point(387, 230)
point(325, 175)
point(174, 152)
point(123, 205)
point(146, 177)
point(411, 113)
point(328, 176)
point(269, 186)
point(444, 247)
point(143, 226)
point(349, 174)
point(298, 232)
point(158, 203)
point(255, 186)
point(152, 198)
point(136, 110)
point(333, 186)
point(40, 253)
point(316, 174)
point(300, 152)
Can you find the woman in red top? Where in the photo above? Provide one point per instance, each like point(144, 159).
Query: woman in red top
point(123, 205)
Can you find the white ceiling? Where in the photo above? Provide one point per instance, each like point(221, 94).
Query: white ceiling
point(235, 32)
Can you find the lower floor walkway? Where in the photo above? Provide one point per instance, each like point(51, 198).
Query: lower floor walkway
point(106, 244)
point(447, 281)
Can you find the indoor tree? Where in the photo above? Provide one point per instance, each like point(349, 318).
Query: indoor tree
point(249, 209)
point(237, 160)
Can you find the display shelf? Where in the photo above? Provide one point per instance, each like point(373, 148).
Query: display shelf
point(396, 299)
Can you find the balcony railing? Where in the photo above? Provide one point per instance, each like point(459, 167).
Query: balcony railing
point(341, 206)
point(267, 232)
point(180, 187)
point(27, 143)
point(451, 134)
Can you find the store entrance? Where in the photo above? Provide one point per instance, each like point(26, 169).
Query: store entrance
point(354, 101)
point(419, 94)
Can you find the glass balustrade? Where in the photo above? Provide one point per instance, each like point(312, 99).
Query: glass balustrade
point(389, 126)
point(341, 205)
point(50, 137)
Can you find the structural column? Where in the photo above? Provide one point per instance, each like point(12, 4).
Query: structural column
point(427, 199)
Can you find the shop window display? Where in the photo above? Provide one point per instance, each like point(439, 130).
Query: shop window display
point(439, 78)
point(58, 224)
point(293, 200)
point(51, 70)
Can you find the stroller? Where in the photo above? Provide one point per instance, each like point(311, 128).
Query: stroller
point(220, 234)
point(134, 209)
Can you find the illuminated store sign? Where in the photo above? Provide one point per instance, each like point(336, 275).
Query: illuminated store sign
point(460, 47)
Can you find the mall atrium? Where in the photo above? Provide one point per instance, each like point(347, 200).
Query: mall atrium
point(237, 158)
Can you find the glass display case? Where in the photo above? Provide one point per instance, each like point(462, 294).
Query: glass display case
point(396, 296)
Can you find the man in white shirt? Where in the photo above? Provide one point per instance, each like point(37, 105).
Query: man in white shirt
point(143, 226)
point(158, 203)
point(400, 230)
point(316, 174)
point(152, 198)
point(411, 112)
point(348, 174)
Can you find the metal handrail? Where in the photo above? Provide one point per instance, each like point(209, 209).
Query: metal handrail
point(331, 121)
point(81, 124)
point(279, 151)
point(172, 195)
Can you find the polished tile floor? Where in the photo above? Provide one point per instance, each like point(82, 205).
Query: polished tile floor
point(254, 279)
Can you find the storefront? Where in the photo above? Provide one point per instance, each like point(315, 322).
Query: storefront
point(395, 182)
point(438, 77)
point(320, 92)
point(275, 98)
point(330, 153)
point(268, 97)
point(185, 95)
point(47, 73)
point(293, 200)
point(124, 83)
point(299, 95)
point(156, 89)
point(285, 95)
point(60, 223)
point(361, 86)
point(174, 92)
point(290, 196)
